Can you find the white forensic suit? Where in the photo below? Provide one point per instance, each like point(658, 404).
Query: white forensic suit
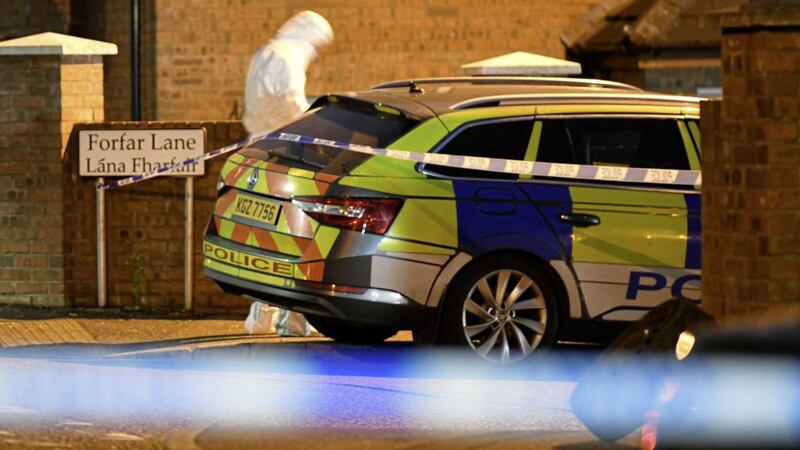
point(275, 92)
point(274, 95)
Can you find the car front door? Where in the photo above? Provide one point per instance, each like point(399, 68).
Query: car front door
point(632, 246)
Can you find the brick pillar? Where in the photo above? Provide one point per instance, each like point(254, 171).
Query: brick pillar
point(751, 164)
point(47, 82)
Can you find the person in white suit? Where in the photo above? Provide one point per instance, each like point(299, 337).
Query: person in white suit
point(275, 93)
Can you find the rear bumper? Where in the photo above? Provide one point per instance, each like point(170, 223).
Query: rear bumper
point(374, 307)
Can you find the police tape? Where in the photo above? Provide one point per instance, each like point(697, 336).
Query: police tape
point(499, 165)
point(167, 169)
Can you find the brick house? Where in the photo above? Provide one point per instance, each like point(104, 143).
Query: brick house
point(194, 55)
point(662, 45)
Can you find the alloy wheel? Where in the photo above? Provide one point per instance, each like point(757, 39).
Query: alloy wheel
point(504, 316)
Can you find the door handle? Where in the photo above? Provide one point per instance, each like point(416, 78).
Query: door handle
point(580, 220)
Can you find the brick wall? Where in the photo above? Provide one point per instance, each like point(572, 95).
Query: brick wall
point(751, 167)
point(23, 17)
point(145, 233)
point(684, 81)
point(197, 69)
point(41, 97)
point(195, 53)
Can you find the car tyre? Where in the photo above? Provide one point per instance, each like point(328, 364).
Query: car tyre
point(502, 308)
point(343, 331)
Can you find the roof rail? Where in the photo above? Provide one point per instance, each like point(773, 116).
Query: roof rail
point(542, 81)
point(532, 99)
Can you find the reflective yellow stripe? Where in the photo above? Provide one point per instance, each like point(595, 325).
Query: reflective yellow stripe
point(616, 109)
point(236, 158)
point(420, 139)
point(241, 183)
point(264, 278)
point(694, 161)
point(642, 228)
point(220, 267)
point(225, 228)
point(227, 168)
point(247, 261)
point(325, 238)
point(533, 146)
point(411, 187)
point(299, 273)
point(303, 186)
point(303, 173)
point(283, 224)
point(424, 220)
point(286, 244)
point(695, 129)
point(251, 238)
point(455, 119)
point(397, 245)
point(297, 185)
point(228, 213)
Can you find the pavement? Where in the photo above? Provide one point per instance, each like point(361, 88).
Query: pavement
point(89, 378)
point(22, 326)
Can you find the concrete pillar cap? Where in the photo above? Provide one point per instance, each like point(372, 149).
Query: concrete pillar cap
point(521, 63)
point(55, 44)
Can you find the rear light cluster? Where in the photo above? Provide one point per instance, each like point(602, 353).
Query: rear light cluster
point(368, 215)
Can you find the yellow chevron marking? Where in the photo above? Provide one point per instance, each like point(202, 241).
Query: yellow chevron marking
point(325, 238)
point(227, 168)
point(286, 244)
point(226, 228)
point(241, 183)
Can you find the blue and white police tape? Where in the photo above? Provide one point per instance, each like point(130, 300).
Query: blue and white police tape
point(167, 169)
point(536, 169)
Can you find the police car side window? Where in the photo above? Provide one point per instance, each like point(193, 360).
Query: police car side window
point(629, 142)
point(501, 139)
point(555, 144)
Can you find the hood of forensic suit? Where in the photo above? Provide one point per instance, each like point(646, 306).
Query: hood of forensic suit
point(307, 26)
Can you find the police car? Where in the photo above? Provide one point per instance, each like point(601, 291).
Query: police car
point(468, 253)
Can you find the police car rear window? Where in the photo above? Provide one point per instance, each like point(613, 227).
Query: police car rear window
point(363, 125)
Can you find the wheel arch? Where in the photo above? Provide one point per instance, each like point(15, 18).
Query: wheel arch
point(544, 267)
point(552, 276)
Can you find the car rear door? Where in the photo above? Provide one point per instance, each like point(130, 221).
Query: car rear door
point(493, 213)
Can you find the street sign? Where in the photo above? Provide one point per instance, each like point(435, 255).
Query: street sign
point(125, 152)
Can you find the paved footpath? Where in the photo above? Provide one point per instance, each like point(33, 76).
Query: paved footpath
point(23, 326)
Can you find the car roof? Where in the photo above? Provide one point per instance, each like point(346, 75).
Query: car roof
point(424, 98)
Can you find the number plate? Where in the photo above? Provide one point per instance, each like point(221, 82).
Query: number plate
point(257, 209)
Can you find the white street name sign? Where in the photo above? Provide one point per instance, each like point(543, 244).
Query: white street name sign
point(114, 153)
